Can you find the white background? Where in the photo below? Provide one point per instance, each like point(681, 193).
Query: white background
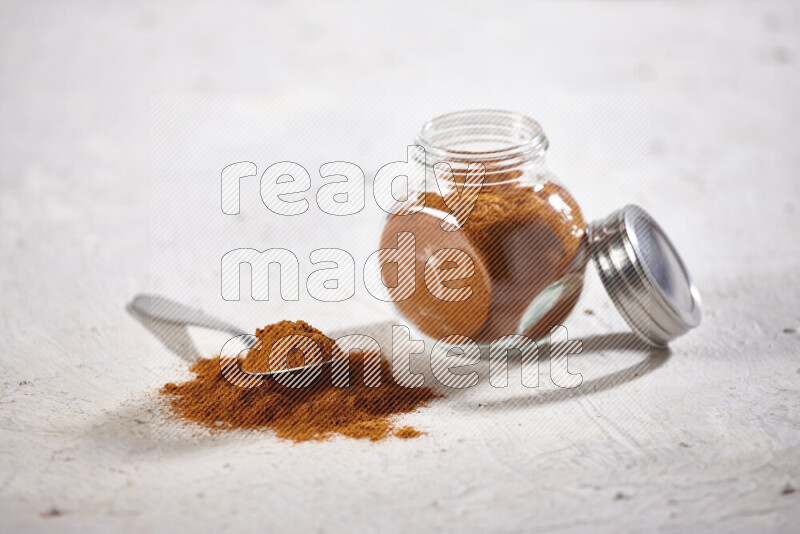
point(688, 109)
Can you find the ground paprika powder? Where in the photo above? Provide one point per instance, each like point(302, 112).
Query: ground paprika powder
point(315, 412)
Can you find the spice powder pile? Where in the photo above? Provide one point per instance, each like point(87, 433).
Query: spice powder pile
point(315, 412)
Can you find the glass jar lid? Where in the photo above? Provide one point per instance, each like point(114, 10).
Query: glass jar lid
point(644, 275)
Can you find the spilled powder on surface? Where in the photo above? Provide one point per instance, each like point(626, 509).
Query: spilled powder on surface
point(315, 412)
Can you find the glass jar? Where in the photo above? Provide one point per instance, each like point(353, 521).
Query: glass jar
point(507, 255)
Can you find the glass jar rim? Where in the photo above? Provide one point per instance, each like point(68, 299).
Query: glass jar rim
point(482, 135)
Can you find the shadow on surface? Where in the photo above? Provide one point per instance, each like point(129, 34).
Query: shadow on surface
point(652, 359)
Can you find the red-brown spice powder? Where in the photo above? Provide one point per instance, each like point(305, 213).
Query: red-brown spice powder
point(315, 412)
point(520, 243)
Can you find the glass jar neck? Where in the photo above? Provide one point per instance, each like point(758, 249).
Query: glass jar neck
point(505, 142)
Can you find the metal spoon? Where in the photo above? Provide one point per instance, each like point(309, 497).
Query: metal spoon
point(164, 309)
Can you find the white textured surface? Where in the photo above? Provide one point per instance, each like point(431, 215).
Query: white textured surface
point(709, 438)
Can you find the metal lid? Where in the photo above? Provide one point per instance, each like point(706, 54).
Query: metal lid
point(644, 275)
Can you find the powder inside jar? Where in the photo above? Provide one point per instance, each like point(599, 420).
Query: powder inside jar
point(525, 240)
point(314, 412)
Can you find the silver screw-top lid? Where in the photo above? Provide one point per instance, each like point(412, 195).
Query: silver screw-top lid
point(644, 275)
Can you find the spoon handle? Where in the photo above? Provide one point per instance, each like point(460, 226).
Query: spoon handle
point(164, 309)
